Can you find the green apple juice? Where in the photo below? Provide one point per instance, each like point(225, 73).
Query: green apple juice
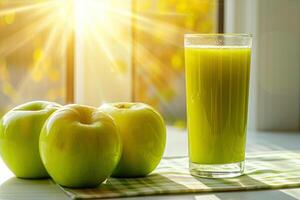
point(217, 83)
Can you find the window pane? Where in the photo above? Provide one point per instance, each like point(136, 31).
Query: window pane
point(32, 53)
point(159, 57)
point(103, 63)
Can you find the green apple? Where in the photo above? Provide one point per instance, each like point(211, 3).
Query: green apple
point(143, 134)
point(80, 146)
point(19, 138)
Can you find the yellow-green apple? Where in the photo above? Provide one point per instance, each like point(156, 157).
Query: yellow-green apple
point(19, 138)
point(80, 146)
point(143, 134)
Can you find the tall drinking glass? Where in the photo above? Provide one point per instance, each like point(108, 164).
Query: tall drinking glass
point(217, 85)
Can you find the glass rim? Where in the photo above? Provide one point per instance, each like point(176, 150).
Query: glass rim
point(243, 35)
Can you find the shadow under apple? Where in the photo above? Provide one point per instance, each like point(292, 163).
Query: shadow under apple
point(33, 189)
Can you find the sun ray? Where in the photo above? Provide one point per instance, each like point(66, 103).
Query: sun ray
point(155, 70)
point(52, 40)
point(162, 100)
point(29, 31)
point(24, 8)
point(40, 12)
point(101, 42)
point(98, 26)
point(50, 19)
point(109, 31)
point(95, 32)
point(152, 74)
point(147, 25)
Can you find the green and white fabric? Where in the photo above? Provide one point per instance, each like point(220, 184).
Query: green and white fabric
point(265, 170)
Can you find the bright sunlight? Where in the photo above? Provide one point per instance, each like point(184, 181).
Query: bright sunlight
point(90, 51)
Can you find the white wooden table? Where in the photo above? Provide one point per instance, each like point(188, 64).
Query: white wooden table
point(13, 188)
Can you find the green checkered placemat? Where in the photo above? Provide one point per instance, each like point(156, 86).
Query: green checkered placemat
point(264, 170)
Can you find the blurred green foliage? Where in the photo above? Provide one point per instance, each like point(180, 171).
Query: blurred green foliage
point(160, 27)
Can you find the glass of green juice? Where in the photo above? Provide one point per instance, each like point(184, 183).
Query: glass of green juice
point(217, 89)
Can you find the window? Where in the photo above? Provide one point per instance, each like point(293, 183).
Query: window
point(116, 51)
point(158, 50)
point(32, 60)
